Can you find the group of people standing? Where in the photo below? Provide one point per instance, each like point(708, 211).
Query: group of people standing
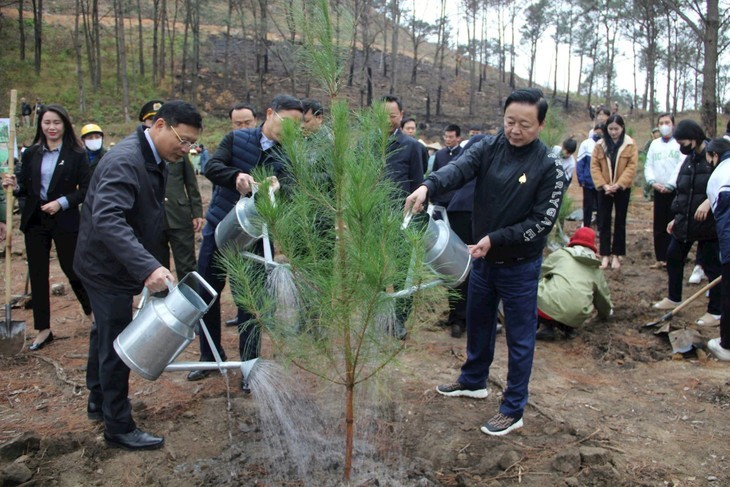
point(118, 240)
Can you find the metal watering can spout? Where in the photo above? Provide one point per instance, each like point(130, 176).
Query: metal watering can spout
point(248, 367)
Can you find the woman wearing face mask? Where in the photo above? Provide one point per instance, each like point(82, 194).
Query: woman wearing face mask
point(93, 138)
point(662, 159)
point(693, 222)
point(613, 166)
point(718, 192)
point(53, 178)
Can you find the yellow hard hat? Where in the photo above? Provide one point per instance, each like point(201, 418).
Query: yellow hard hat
point(91, 128)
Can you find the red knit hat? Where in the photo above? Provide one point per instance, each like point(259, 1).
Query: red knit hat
point(586, 237)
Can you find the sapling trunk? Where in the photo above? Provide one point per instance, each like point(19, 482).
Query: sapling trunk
point(339, 225)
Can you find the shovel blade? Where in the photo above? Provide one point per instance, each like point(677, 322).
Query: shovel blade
point(12, 337)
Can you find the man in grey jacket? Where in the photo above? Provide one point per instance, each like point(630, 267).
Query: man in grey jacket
point(519, 187)
point(120, 249)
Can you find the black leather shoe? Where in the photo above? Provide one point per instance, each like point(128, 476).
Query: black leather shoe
point(37, 346)
point(545, 333)
point(245, 386)
point(134, 440)
point(457, 330)
point(232, 322)
point(200, 374)
point(93, 411)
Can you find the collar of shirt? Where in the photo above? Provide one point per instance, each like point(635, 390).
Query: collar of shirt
point(147, 136)
point(48, 166)
point(266, 143)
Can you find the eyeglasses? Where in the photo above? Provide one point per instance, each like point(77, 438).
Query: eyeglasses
point(187, 145)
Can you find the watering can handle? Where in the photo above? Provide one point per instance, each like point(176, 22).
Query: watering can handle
point(201, 281)
point(442, 212)
point(407, 220)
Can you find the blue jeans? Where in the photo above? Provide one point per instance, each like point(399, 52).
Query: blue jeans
point(249, 339)
point(516, 286)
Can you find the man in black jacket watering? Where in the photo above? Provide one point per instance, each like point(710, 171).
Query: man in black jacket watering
point(519, 187)
point(119, 250)
point(229, 170)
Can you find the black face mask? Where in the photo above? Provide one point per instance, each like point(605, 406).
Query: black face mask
point(686, 149)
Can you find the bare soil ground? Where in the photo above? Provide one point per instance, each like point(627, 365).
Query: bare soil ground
point(612, 407)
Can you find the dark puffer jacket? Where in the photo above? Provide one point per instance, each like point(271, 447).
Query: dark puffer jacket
point(691, 192)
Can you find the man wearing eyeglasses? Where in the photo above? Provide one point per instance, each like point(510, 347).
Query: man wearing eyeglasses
point(183, 205)
point(119, 251)
point(229, 170)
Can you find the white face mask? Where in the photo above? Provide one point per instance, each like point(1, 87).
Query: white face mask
point(665, 130)
point(93, 145)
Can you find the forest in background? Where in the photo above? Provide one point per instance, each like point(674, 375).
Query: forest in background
point(118, 53)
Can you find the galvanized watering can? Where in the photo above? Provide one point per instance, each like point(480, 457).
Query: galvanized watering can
point(241, 227)
point(446, 254)
point(164, 327)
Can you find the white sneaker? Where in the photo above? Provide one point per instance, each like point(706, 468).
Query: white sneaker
point(718, 351)
point(697, 275)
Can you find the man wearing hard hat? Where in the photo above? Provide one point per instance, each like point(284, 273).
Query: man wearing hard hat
point(93, 138)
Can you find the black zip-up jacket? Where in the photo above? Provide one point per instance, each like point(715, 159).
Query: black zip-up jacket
point(694, 173)
point(517, 196)
point(121, 238)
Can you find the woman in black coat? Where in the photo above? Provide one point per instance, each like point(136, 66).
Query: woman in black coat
point(53, 178)
point(693, 222)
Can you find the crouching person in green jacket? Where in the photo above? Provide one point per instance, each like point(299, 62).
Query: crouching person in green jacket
point(571, 287)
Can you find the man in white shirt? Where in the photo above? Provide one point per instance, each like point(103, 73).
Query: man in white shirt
point(662, 158)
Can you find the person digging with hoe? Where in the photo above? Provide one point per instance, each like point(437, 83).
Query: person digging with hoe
point(519, 187)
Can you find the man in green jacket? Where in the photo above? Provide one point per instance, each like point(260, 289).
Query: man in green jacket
point(571, 287)
point(183, 215)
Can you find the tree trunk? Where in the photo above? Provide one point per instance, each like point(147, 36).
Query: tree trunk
point(122, 56)
point(570, 57)
point(555, 72)
point(141, 38)
point(227, 52)
point(186, 31)
point(21, 30)
point(96, 33)
point(668, 62)
point(709, 69)
point(262, 62)
point(442, 49)
point(37, 33)
point(195, 14)
point(349, 427)
point(162, 63)
point(395, 13)
point(155, 40)
point(512, 82)
point(244, 62)
point(77, 51)
point(708, 34)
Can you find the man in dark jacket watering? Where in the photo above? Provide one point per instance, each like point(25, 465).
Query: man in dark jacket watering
point(229, 170)
point(119, 251)
point(519, 187)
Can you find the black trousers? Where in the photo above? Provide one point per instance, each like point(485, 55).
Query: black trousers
point(662, 216)
point(709, 250)
point(249, 339)
point(725, 320)
point(606, 204)
point(590, 204)
point(107, 376)
point(460, 222)
point(39, 234)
